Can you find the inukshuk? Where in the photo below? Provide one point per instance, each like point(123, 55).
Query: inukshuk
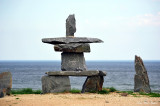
point(73, 62)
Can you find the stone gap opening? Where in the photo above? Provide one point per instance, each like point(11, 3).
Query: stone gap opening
point(77, 82)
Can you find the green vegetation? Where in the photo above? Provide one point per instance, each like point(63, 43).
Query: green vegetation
point(112, 89)
point(93, 91)
point(141, 93)
point(150, 94)
point(103, 91)
point(25, 91)
point(74, 90)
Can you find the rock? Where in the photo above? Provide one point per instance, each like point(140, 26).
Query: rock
point(141, 80)
point(73, 62)
point(124, 94)
point(73, 47)
point(2, 93)
point(52, 84)
point(76, 73)
point(93, 83)
point(5, 83)
point(70, 25)
point(66, 40)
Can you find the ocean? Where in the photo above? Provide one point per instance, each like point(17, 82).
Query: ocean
point(120, 74)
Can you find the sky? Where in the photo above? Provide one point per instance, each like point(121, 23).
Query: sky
point(127, 27)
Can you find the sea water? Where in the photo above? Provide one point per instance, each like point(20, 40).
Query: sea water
point(120, 74)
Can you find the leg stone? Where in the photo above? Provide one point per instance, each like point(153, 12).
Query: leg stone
point(51, 84)
point(93, 83)
point(73, 62)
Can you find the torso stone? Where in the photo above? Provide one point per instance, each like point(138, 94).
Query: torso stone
point(73, 62)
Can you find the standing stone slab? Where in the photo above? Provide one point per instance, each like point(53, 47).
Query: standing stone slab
point(5, 83)
point(52, 84)
point(93, 83)
point(73, 62)
point(70, 25)
point(141, 80)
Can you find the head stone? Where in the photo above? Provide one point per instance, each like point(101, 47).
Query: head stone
point(70, 26)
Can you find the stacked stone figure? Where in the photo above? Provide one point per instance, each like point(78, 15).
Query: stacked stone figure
point(73, 61)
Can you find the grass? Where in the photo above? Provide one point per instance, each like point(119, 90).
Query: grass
point(25, 91)
point(74, 90)
point(112, 89)
point(150, 94)
point(141, 93)
point(103, 91)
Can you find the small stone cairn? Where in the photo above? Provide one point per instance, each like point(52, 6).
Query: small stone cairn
point(73, 62)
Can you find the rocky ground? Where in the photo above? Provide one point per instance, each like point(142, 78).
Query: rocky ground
point(68, 99)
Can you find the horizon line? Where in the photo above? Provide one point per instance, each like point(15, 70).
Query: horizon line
point(85, 60)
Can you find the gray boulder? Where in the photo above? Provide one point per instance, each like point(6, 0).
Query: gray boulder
point(66, 40)
point(141, 80)
point(52, 84)
point(5, 83)
point(93, 83)
point(70, 25)
point(73, 62)
point(72, 47)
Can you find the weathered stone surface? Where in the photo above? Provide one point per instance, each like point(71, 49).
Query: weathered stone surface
point(93, 83)
point(5, 83)
point(73, 47)
point(73, 62)
point(66, 40)
point(70, 25)
point(2, 93)
point(51, 84)
point(77, 73)
point(141, 80)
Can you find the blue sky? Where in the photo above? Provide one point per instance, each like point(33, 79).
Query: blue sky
point(127, 27)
